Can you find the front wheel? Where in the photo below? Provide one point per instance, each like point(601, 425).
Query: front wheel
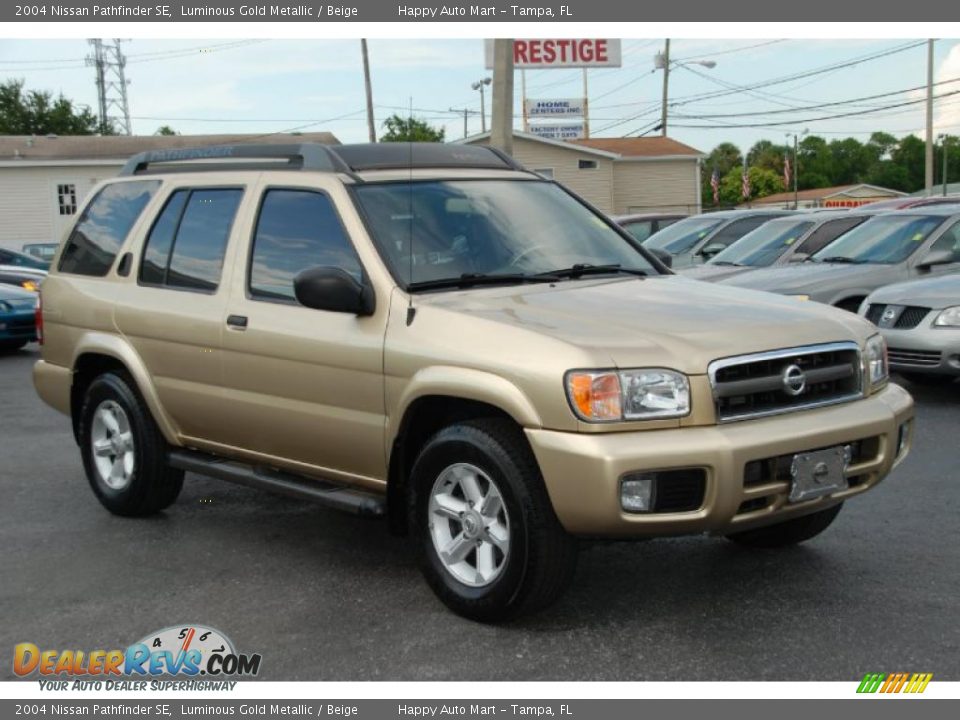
point(124, 453)
point(489, 543)
point(789, 532)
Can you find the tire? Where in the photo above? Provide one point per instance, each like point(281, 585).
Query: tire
point(12, 345)
point(138, 481)
point(788, 533)
point(927, 380)
point(529, 557)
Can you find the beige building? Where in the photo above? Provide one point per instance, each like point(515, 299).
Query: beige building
point(617, 175)
point(43, 180)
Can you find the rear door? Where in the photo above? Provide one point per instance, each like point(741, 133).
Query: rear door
point(173, 309)
point(304, 387)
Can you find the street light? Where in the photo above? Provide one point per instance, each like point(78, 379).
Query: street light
point(479, 85)
point(661, 61)
point(795, 168)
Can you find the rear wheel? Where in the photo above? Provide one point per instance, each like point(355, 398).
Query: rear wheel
point(489, 543)
point(790, 532)
point(124, 453)
point(928, 380)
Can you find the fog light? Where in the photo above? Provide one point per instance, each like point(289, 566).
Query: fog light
point(636, 492)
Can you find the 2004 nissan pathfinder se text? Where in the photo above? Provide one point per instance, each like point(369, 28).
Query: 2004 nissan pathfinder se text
point(433, 333)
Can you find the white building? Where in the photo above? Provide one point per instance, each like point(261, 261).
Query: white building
point(618, 175)
point(43, 180)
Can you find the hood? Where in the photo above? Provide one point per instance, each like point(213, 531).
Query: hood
point(666, 321)
point(934, 293)
point(806, 278)
point(714, 273)
point(17, 298)
point(23, 270)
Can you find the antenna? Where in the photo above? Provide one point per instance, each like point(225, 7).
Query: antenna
point(411, 310)
point(110, 62)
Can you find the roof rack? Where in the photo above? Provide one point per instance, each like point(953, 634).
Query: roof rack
point(300, 156)
point(348, 159)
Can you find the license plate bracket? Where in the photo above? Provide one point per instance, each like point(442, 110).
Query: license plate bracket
point(818, 472)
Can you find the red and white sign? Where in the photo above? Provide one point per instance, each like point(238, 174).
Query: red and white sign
point(560, 53)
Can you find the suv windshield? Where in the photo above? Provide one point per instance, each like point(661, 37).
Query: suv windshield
point(764, 245)
point(449, 229)
point(682, 235)
point(887, 239)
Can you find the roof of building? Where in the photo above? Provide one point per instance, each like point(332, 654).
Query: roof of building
point(120, 147)
point(628, 147)
point(859, 190)
point(611, 148)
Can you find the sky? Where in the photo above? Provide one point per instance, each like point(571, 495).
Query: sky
point(265, 86)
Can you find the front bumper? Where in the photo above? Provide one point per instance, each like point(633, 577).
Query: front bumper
point(924, 349)
point(583, 471)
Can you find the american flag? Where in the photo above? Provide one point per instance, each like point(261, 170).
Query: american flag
point(786, 172)
point(746, 182)
point(715, 184)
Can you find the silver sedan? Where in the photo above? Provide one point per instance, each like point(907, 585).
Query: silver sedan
point(921, 323)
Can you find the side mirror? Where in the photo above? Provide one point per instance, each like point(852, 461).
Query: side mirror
point(334, 290)
point(936, 257)
point(799, 257)
point(712, 249)
point(662, 255)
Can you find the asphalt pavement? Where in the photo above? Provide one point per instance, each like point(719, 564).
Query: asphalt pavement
point(326, 596)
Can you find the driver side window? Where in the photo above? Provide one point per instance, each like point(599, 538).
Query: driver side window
point(296, 229)
point(950, 241)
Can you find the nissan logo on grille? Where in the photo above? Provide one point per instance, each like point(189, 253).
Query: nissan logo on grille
point(794, 381)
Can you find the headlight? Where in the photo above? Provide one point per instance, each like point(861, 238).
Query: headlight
point(611, 395)
point(30, 285)
point(799, 297)
point(949, 317)
point(876, 355)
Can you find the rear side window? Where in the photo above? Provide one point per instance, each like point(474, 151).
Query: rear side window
point(101, 230)
point(188, 241)
point(297, 229)
point(827, 233)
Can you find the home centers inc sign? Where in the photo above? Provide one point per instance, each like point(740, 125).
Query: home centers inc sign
point(539, 53)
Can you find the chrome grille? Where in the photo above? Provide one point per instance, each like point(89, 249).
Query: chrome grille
point(781, 381)
point(917, 358)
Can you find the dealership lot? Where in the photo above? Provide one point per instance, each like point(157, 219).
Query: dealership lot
point(326, 596)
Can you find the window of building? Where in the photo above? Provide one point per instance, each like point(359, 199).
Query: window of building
point(102, 228)
point(587, 164)
point(297, 229)
point(67, 199)
point(188, 241)
point(544, 173)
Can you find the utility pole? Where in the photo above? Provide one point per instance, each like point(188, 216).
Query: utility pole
point(666, 83)
point(501, 123)
point(109, 63)
point(467, 112)
point(942, 137)
point(796, 195)
point(928, 165)
point(371, 125)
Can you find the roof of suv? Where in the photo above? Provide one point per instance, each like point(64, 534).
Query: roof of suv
point(349, 159)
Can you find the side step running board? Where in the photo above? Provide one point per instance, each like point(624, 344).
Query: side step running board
point(319, 491)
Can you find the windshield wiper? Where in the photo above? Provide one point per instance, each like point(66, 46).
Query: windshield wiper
point(842, 259)
point(581, 269)
point(471, 279)
point(726, 263)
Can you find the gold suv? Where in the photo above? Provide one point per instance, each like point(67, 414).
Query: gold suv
point(431, 333)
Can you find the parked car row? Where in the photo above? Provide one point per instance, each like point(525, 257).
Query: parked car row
point(897, 263)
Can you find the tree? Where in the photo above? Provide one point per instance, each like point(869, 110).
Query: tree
point(165, 130)
point(723, 158)
point(763, 182)
point(37, 112)
point(410, 130)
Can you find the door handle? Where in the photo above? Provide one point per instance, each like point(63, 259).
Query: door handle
point(237, 321)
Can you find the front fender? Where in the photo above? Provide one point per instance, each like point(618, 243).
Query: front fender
point(116, 347)
point(468, 384)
